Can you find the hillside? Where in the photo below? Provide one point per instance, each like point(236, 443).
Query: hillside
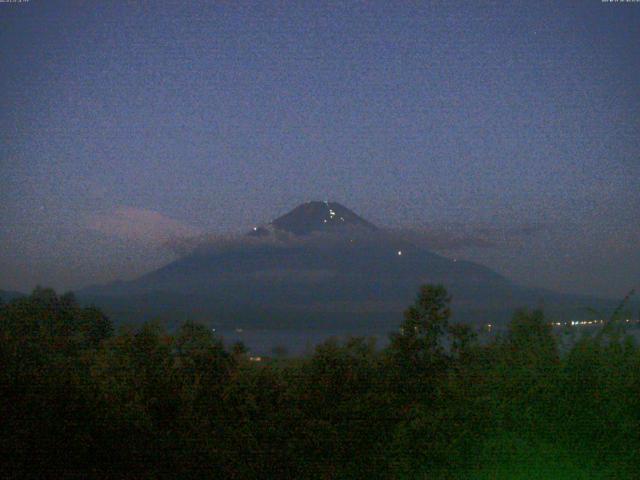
point(317, 265)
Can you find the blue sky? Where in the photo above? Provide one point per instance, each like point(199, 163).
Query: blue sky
point(125, 123)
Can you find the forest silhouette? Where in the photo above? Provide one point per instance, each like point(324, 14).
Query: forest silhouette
point(81, 399)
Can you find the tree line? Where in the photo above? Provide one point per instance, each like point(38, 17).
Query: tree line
point(81, 400)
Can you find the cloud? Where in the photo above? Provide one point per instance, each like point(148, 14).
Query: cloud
point(444, 238)
point(212, 243)
point(452, 237)
point(140, 225)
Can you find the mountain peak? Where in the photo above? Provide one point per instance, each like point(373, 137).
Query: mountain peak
point(315, 216)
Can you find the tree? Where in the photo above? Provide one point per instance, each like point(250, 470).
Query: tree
point(45, 353)
point(462, 338)
point(419, 345)
point(346, 416)
point(239, 349)
point(525, 372)
point(203, 366)
point(279, 351)
point(99, 326)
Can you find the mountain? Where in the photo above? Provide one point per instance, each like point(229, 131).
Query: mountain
point(314, 217)
point(318, 265)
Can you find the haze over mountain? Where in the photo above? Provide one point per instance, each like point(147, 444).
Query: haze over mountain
point(153, 122)
point(318, 265)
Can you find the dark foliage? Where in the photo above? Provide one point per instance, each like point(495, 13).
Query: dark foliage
point(80, 401)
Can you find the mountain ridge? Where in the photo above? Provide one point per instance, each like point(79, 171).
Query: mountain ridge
point(314, 216)
point(300, 264)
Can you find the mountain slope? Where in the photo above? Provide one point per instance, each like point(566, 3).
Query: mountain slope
point(317, 265)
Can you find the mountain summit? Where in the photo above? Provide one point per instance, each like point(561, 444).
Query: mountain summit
point(314, 217)
point(360, 280)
